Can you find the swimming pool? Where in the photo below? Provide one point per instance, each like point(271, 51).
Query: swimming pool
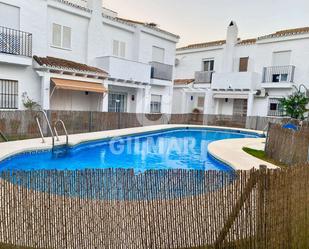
point(185, 149)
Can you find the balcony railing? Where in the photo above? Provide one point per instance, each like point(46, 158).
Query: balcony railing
point(203, 77)
point(279, 74)
point(161, 71)
point(15, 42)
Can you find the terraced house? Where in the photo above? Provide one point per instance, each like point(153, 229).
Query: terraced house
point(77, 55)
point(241, 77)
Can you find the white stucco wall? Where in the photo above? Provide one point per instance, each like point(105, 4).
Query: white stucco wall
point(260, 56)
point(92, 36)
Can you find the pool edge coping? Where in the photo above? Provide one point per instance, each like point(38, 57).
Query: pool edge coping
point(79, 139)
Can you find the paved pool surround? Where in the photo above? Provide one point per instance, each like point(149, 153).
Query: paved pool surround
point(228, 151)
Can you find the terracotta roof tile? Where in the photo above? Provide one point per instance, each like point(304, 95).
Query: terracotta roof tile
point(58, 63)
point(74, 5)
point(183, 81)
point(203, 45)
point(145, 24)
point(247, 41)
point(286, 32)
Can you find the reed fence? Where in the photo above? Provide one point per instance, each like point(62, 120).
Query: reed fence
point(21, 124)
point(116, 208)
point(288, 146)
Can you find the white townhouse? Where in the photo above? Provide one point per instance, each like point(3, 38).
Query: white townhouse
point(77, 55)
point(241, 77)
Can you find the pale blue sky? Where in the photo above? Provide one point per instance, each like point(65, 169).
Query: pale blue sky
point(206, 20)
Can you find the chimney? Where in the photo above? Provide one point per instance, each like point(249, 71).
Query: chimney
point(95, 5)
point(231, 41)
point(232, 33)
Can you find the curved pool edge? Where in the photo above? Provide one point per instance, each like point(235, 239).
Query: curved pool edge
point(10, 149)
point(230, 152)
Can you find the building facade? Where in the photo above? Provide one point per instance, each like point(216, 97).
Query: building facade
point(77, 55)
point(241, 77)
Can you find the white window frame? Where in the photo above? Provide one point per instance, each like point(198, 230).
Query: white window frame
point(156, 106)
point(62, 28)
point(208, 60)
point(119, 48)
point(9, 94)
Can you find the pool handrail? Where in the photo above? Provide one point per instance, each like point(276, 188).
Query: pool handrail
point(59, 121)
point(49, 127)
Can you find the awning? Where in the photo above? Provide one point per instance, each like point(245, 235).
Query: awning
point(75, 85)
point(231, 96)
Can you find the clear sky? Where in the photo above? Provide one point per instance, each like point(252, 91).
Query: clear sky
point(206, 20)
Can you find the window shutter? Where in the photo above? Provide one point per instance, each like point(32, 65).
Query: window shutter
point(66, 37)
point(243, 64)
point(122, 49)
point(56, 35)
point(115, 48)
point(158, 54)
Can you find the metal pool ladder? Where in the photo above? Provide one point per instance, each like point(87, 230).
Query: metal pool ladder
point(65, 131)
point(49, 127)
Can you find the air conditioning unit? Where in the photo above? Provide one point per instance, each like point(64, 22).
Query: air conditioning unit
point(261, 93)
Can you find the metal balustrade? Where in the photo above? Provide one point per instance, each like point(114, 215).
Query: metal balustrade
point(279, 74)
point(15, 42)
point(161, 71)
point(203, 77)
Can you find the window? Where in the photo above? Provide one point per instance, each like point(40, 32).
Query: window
point(200, 102)
point(155, 105)
point(8, 94)
point(208, 65)
point(158, 54)
point(117, 102)
point(243, 64)
point(61, 36)
point(119, 48)
point(280, 77)
point(275, 108)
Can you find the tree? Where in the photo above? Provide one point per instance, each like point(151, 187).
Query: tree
point(295, 105)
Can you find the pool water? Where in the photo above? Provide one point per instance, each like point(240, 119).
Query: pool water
point(162, 150)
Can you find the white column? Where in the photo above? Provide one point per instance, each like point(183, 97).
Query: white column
point(139, 98)
point(184, 101)
point(95, 48)
point(45, 92)
point(105, 100)
point(250, 104)
point(209, 104)
point(147, 99)
point(136, 43)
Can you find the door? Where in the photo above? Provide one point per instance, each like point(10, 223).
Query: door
point(117, 102)
point(240, 107)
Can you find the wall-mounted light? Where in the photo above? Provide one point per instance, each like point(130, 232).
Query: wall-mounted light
point(133, 97)
point(192, 98)
point(226, 100)
point(86, 93)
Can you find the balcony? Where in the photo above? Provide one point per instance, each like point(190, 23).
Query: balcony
point(15, 46)
point(203, 77)
point(124, 70)
point(278, 77)
point(161, 71)
point(235, 80)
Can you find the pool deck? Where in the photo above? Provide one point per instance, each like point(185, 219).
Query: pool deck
point(228, 151)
